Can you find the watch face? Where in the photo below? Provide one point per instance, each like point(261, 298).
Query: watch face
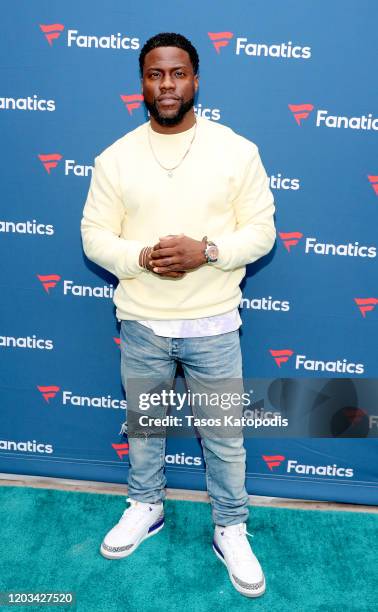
point(212, 252)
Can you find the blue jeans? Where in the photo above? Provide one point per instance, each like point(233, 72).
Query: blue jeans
point(143, 355)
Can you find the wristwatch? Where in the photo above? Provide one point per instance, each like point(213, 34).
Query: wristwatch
point(210, 251)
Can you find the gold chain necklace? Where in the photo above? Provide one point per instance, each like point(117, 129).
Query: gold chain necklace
point(170, 170)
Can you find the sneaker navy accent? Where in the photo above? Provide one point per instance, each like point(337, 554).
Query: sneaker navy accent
point(217, 549)
point(156, 525)
point(231, 546)
point(138, 522)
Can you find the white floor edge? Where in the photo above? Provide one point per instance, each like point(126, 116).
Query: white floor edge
point(88, 486)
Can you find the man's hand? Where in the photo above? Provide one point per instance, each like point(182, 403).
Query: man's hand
point(144, 257)
point(177, 254)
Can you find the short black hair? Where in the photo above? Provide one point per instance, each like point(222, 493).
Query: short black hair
point(169, 39)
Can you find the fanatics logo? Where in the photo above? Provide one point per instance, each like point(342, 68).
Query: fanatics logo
point(290, 239)
point(313, 246)
point(114, 41)
point(265, 304)
point(281, 356)
point(74, 38)
point(30, 103)
point(52, 31)
point(354, 415)
point(374, 183)
point(48, 392)
point(132, 102)
point(68, 398)
point(69, 288)
point(305, 469)
point(27, 446)
point(281, 50)
point(50, 160)
point(315, 365)
point(30, 342)
point(117, 341)
point(209, 113)
point(324, 119)
point(49, 281)
point(301, 111)
point(121, 449)
point(282, 182)
point(182, 459)
point(26, 227)
point(249, 48)
point(220, 39)
point(366, 304)
point(273, 460)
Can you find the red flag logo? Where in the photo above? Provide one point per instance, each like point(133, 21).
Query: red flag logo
point(50, 160)
point(281, 356)
point(301, 111)
point(354, 415)
point(49, 281)
point(117, 341)
point(273, 460)
point(121, 449)
point(48, 392)
point(374, 183)
point(132, 102)
point(220, 39)
point(52, 31)
point(290, 239)
point(366, 304)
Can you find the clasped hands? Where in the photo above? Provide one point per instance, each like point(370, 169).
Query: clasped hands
point(172, 256)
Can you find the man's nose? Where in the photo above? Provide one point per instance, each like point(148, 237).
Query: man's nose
point(167, 82)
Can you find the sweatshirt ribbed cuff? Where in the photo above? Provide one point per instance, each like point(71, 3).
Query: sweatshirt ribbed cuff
point(133, 249)
point(224, 253)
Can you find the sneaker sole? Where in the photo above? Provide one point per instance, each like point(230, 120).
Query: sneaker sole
point(126, 553)
point(237, 586)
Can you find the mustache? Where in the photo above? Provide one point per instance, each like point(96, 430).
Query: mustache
point(169, 121)
point(164, 97)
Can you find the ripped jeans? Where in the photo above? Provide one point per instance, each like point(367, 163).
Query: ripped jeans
point(145, 354)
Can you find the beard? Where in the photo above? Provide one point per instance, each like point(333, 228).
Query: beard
point(173, 120)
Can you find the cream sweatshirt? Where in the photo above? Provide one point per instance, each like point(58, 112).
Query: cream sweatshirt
point(220, 190)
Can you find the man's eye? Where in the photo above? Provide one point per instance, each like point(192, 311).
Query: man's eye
point(154, 75)
point(179, 73)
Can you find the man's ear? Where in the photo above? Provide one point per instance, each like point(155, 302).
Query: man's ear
point(196, 83)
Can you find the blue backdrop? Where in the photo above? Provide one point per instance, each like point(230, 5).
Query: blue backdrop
point(297, 78)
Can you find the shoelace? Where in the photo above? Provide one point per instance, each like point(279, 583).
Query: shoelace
point(242, 530)
point(241, 551)
point(140, 511)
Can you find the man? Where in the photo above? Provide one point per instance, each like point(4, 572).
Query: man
point(176, 209)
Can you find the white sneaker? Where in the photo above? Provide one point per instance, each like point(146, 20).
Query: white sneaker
point(138, 522)
point(232, 548)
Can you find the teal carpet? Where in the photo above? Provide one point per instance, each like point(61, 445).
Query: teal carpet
point(314, 561)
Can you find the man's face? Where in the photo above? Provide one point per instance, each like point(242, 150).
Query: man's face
point(168, 84)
